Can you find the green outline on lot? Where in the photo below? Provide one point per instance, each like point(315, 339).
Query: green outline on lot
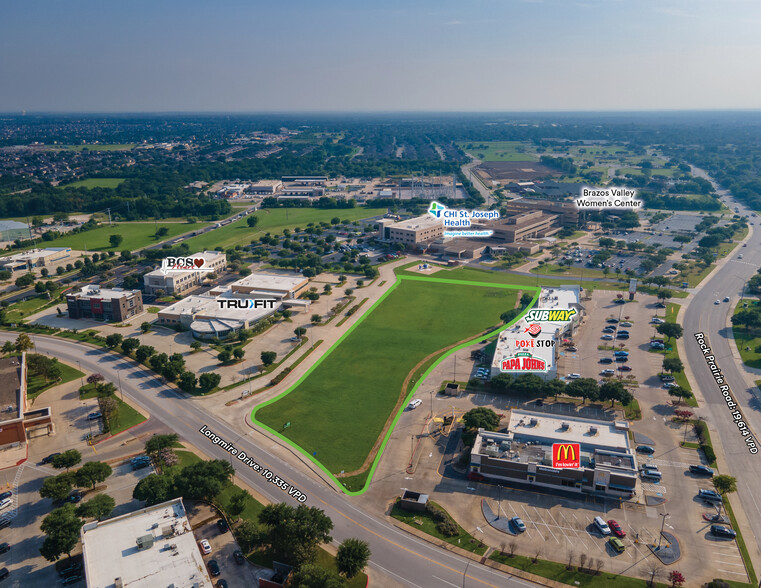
point(442, 357)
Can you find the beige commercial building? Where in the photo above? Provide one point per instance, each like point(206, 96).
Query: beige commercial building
point(567, 212)
point(35, 258)
point(420, 229)
point(278, 286)
point(176, 283)
point(265, 187)
point(524, 225)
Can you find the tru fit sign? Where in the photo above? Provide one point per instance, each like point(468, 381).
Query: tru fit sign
point(566, 455)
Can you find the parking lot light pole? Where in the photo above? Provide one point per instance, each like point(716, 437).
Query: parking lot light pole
point(663, 524)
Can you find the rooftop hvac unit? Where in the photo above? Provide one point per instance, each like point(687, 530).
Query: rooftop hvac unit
point(534, 422)
point(564, 426)
point(118, 583)
point(593, 430)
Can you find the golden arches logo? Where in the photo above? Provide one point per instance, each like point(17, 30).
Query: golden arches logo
point(566, 455)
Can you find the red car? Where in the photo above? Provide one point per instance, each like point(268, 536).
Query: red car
point(476, 477)
point(624, 368)
point(616, 529)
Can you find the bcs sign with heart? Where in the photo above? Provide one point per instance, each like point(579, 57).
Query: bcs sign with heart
point(184, 264)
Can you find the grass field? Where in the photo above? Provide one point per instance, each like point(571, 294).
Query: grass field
point(127, 417)
point(36, 385)
point(24, 308)
point(339, 408)
point(498, 150)
point(562, 270)
point(745, 338)
point(136, 236)
point(274, 220)
point(95, 183)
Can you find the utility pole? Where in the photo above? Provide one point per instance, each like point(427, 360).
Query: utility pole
point(119, 376)
point(109, 216)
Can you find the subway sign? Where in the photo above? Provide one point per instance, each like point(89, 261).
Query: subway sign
point(566, 455)
point(540, 315)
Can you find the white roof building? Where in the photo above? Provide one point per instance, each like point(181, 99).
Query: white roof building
point(518, 343)
point(150, 547)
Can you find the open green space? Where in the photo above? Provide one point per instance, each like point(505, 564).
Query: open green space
point(672, 311)
point(557, 571)
point(339, 408)
point(274, 220)
point(125, 418)
point(36, 384)
point(748, 339)
point(24, 308)
point(564, 270)
point(94, 183)
point(498, 150)
point(424, 522)
point(136, 236)
point(97, 147)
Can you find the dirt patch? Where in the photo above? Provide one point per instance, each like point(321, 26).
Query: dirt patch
point(514, 171)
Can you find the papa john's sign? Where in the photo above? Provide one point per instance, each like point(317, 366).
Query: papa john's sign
point(523, 361)
point(566, 455)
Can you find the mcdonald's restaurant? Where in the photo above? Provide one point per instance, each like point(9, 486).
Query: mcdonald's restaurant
point(566, 453)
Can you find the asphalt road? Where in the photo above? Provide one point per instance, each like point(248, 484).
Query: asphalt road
point(703, 316)
point(403, 559)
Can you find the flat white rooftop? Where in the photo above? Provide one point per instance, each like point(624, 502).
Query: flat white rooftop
point(111, 551)
point(547, 428)
point(208, 307)
point(419, 222)
point(276, 282)
point(94, 291)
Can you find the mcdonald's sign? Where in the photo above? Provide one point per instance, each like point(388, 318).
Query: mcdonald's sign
point(566, 455)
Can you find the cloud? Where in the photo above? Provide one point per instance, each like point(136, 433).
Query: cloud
point(453, 23)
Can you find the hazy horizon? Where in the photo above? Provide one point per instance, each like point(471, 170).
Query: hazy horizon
point(486, 56)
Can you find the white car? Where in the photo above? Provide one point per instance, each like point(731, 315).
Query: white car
point(5, 503)
point(717, 301)
point(414, 404)
point(660, 321)
point(573, 376)
point(608, 372)
point(205, 546)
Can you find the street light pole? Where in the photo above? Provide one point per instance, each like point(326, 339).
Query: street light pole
point(663, 524)
point(119, 376)
point(81, 375)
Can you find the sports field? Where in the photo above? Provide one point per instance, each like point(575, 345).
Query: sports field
point(274, 220)
point(339, 409)
point(136, 236)
point(95, 183)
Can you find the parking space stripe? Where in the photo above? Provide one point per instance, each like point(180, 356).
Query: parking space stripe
point(546, 525)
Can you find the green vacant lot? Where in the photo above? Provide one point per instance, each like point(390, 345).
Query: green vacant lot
point(274, 220)
point(498, 150)
point(340, 407)
point(95, 183)
point(136, 236)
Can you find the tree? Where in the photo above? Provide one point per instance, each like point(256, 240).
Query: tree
point(268, 357)
point(25, 280)
point(209, 381)
point(67, 459)
point(238, 502)
point(143, 352)
point(251, 221)
point(57, 487)
point(154, 489)
point(670, 330)
point(145, 327)
point(680, 393)
point(510, 315)
point(203, 480)
point(91, 473)
point(23, 343)
point(155, 444)
point(129, 345)
point(158, 361)
point(162, 232)
point(187, 381)
point(248, 535)
point(196, 346)
point(299, 332)
point(61, 528)
point(316, 319)
point(654, 569)
point(115, 240)
point(585, 388)
point(8, 347)
point(98, 507)
point(352, 557)
point(224, 356)
point(676, 578)
point(114, 340)
point(314, 576)
point(673, 364)
point(611, 391)
point(526, 300)
point(238, 353)
point(294, 534)
point(724, 484)
point(553, 388)
point(481, 417)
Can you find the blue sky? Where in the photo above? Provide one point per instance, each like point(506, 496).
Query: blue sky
point(250, 56)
